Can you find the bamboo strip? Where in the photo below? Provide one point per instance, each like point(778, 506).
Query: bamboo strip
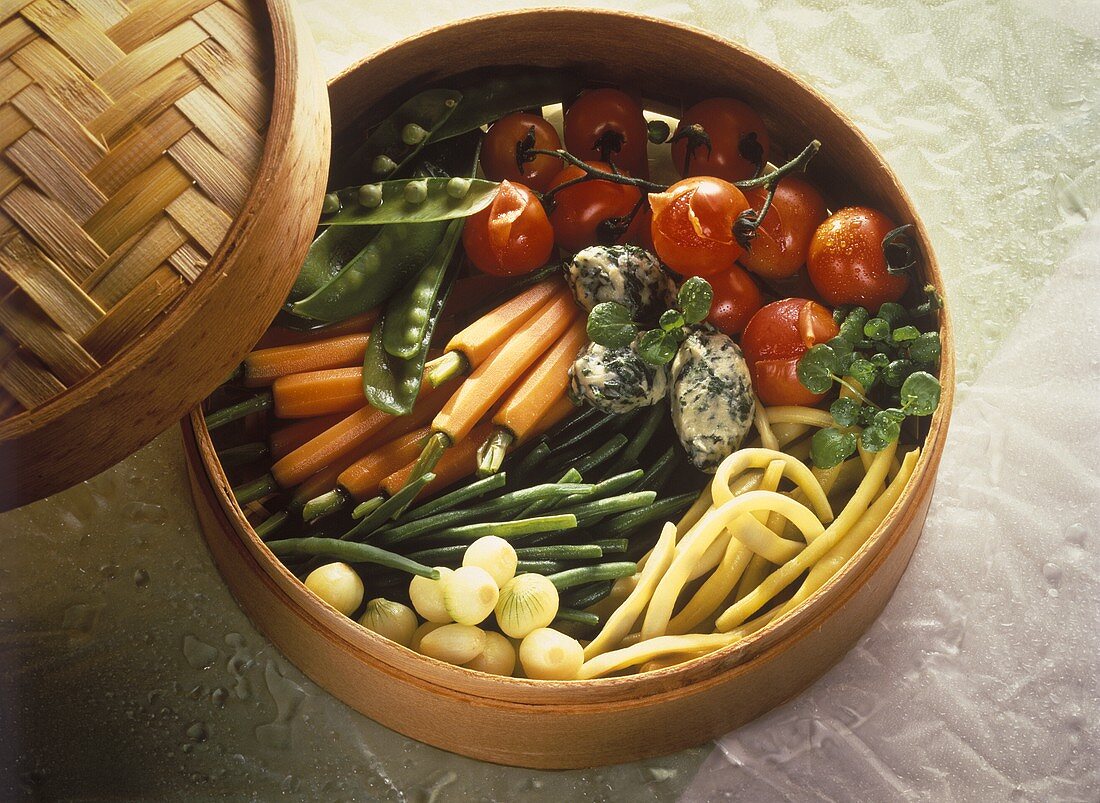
point(152, 248)
point(78, 37)
point(216, 175)
point(150, 57)
point(47, 66)
point(54, 232)
point(241, 89)
point(145, 101)
point(64, 130)
point(13, 35)
point(188, 262)
point(152, 18)
point(12, 80)
point(220, 124)
point(47, 167)
point(143, 146)
point(130, 316)
point(53, 290)
point(66, 358)
point(26, 380)
point(131, 208)
point(204, 221)
point(105, 12)
point(232, 31)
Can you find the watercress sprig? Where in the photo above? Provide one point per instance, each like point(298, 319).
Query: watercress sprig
point(885, 356)
point(610, 324)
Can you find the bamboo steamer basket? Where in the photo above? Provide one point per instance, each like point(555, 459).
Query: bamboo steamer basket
point(555, 725)
point(162, 162)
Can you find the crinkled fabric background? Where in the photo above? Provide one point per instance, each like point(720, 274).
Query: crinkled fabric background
point(129, 670)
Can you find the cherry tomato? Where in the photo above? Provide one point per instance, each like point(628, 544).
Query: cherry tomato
point(607, 125)
point(512, 235)
point(738, 142)
point(693, 225)
point(846, 262)
point(736, 300)
point(783, 238)
point(498, 151)
point(579, 210)
point(774, 340)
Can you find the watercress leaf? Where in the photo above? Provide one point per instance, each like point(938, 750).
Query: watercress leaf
point(817, 368)
point(610, 326)
point(695, 298)
point(657, 347)
point(920, 393)
point(852, 327)
point(864, 372)
point(896, 372)
point(844, 354)
point(877, 329)
point(874, 438)
point(880, 360)
point(845, 411)
point(830, 447)
point(671, 319)
point(925, 349)
point(866, 415)
point(893, 313)
point(904, 334)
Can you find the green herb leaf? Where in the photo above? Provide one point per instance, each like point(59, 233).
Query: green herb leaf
point(904, 334)
point(671, 319)
point(657, 347)
point(609, 325)
point(844, 354)
point(884, 429)
point(866, 415)
point(830, 447)
point(920, 393)
point(852, 327)
point(896, 372)
point(817, 368)
point(880, 360)
point(864, 372)
point(695, 298)
point(894, 314)
point(925, 349)
point(877, 329)
point(845, 411)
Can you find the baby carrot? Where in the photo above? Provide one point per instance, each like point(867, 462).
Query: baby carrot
point(471, 346)
point(281, 336)
point(336, 390)
point(362, 478)
point(263, 366)
point(457, 462)
point(285, 440)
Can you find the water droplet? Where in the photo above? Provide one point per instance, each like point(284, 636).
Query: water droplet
point(219, 697)
point(1053, 573)
point(197, 732)
point(287, 695)
point(187, 747)
point(1076, 534)
point(660, 774)
point(199, 655)
point(141, 578)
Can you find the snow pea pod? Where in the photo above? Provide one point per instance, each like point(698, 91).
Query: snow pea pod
point(330, 251)
point(444, 199)
point(408, 313)
point(489, 98)
point(374, 273)
point(399, 137)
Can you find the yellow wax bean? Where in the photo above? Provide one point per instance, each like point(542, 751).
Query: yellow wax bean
point(695, 543)
point(789, 571)
point(619, 623)
point(715, 589)
point(792, 414)
point(744, 459)
point(648, 650)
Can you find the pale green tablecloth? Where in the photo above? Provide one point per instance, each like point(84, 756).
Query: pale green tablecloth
point(128, 670)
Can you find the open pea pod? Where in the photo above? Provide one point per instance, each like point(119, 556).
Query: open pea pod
point(330, 251)
point(443, 199)
point(399, 137)
point(391, 384)
point(490, 98)
point(372, 275)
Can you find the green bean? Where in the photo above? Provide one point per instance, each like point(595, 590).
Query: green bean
point(583, 435)
point(439, 204)
point(578, 617)
point(325, 505)
point(572, 475)
point(487, 98)
point(613, 485)
point(641, 438)
point(505, 529)
point(483, 512)
point(257, 489)
point(591, 462)
point(366, 508)
point(612, 546)
point(532, 459)
point(539, 566)
point(585, 596)
point(244, 454)
point(591, 574)
point(350, 552)
point(589, 513)
point(409, 313)
point(560, 552)
point(456, 497)
point(330, 251)
point(388, 508)
point(658, 474)
point(669, 507)
point(226, 415)
point(272, 523)
point(583, 418)
point(428, 110)
point(440, 555)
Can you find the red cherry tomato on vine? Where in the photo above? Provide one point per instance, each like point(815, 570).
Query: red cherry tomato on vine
point(774, 340)
point(738, 142)
point(782, 240)
point(510, 236)
point(846, 262)
point(736, 300)
point(578, 211)
point(607, 125)
point(498, 151)
point(693, 225)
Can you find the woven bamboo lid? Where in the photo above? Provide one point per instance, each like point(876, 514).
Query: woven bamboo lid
point(163, 163)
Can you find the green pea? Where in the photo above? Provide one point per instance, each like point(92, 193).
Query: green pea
point(331, 204)
point(416, 192)
point(458, 187)
point(413, 134)
point(370, 196)
point(383, 165)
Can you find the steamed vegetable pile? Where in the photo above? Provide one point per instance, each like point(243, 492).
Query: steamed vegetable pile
point(531, 410)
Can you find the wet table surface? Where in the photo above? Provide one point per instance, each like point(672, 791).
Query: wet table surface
point(128, 670)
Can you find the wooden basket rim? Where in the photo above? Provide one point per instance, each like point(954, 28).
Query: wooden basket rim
point(420, 669)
